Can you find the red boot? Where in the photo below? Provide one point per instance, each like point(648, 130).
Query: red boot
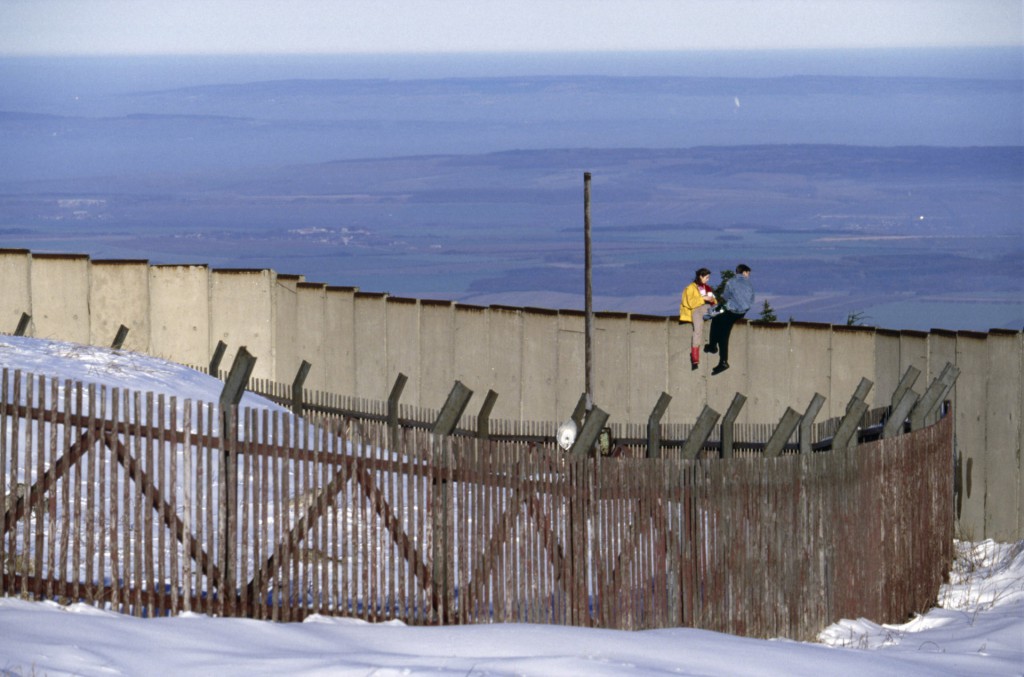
point(694, 357)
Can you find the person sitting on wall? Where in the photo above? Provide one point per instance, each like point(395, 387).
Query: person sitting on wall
point(737, 298)
point(698, 298)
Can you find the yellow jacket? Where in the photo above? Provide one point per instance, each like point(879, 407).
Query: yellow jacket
point(691, 300)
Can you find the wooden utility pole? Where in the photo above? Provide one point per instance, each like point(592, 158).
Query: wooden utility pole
point(587, 293)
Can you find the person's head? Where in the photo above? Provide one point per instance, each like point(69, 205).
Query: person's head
point(702, 275)
point(743, 269)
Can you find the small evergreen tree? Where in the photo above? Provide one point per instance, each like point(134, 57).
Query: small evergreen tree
point(767, 313)
point(726, 276)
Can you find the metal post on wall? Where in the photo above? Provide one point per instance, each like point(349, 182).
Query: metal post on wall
point(587, 293)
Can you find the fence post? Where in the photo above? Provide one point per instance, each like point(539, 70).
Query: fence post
point(861, 393)
point(393, 397)
point(587, 436)
point(297, 383)
point(452, 410)
point(580, 412)
point(845, 436)
point(23, 324)
point(933, 396)
point(654, 425)
point(700, 433)
point(807, 420)
point(894, 424)
point(787, 424)
point(728, 422)
point(218, 355)
point(230, 396)
point(906, 383)
point(442, 540)
point(122, 334)
point(483, 424)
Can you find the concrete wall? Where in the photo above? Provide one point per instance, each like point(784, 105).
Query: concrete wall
point(358, 342)
point(16, 286)
point(119, 295)
point(179, 307)
point(60, 297)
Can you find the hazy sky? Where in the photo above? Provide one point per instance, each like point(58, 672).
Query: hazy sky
point(367, 26)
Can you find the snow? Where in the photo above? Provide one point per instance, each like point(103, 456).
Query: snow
point(976, 627)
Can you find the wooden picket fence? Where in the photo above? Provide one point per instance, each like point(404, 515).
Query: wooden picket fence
point(150, 506)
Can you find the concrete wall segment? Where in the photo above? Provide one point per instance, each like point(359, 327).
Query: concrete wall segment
point(339, 340)
point(505, 350)
point(571, 361)
point(16, 286)
point(770, 369)
point(310, 339)
point(370, 347)
point(648, 357)
point(810, 345)
point(242, 313)
point(613, 383)
point(285, 307)
point(853, 358)
point(887, 365)
point(472, 365)
point(437, 350)
point(540, 365)
point(1004, 437)
point(972, 358)
point(402, 319)
point(179, 307)
point(119, 294)
point(60, 297)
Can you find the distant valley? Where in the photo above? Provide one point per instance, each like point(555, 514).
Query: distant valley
point(893, 200)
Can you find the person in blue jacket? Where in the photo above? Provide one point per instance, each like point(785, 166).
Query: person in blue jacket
point(737, 297)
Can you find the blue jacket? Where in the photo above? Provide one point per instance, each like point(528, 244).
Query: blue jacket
point(738, 294)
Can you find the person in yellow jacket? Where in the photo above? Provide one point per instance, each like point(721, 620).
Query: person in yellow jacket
point(698, 298)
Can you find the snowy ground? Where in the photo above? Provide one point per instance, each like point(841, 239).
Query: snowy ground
point(977, 627)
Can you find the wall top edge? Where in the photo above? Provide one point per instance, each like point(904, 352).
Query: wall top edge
point(18, 252)
point(470, 307)
point(945, 333)
point(913, 333)
point(965, 333)
point(505, 309)
point(809, 325)
point(242, 271)
point(540, 311)
point(887, 332)
point(402, 299)
point(853, 328)
point(319, 286)
point(371, 294)
point(59, 257)
point(347, 290)
point(180, 265)
point(613, 315)
point(1004, 332)
point(289, 276)
point(440, 303)
point(120, 262)
point(758, 324)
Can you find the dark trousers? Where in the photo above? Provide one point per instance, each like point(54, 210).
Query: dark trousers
point(721, 328)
